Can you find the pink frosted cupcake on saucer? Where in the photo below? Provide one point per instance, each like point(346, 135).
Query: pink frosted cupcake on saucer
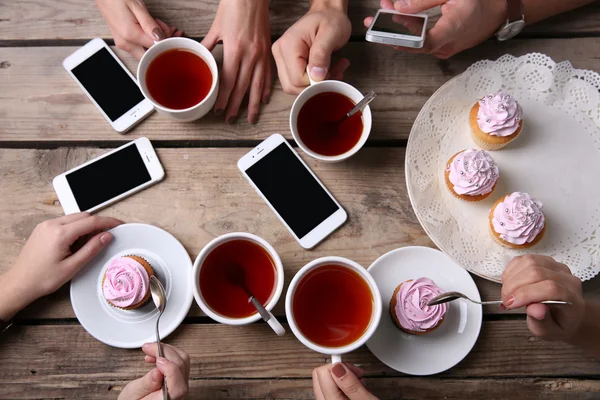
point(517, 221)
point(126, 282)
point(409, 309)
point(471, 175)
point(496, 120)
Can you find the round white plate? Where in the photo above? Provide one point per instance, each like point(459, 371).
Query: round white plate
point(446, 346)
point(132, 328)
point(555, 159)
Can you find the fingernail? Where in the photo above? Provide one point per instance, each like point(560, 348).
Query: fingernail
point(253, 119)
point(510, 301)
point(232, 120)
point(161, 360)
point(105, 238)
point(219, 111)
point(146, 345)
point(267, 99)
point(338, 370)
point(502, 307)
point(318, 73)
point(158, 34)
point(403, 3)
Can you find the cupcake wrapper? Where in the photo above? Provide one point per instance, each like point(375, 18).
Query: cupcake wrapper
point(488, 146)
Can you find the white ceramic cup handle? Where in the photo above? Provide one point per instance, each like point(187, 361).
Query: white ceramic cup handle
point(336, 358)
point(309, 78)
point(275, 325)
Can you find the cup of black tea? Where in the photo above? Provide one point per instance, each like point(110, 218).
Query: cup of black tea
point(256, 267)
point(333, 306)
point(179, 76)
point(318, 125)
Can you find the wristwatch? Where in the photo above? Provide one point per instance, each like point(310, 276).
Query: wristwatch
point(515, 21)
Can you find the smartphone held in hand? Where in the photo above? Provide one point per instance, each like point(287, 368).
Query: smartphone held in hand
point(398, 29)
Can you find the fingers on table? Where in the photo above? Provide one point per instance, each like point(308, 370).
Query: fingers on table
point(231, 65)
point(149, 25)
point(91, 223)
point(88, 251)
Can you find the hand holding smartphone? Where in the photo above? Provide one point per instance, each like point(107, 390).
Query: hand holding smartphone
point(398, 29)
point(109, 85)
point(109, 178)
point(292, 191)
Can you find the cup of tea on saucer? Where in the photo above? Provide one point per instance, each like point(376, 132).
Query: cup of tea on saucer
point(318, 125)
point(333, 306)
point(179, 76)
point(231, 268)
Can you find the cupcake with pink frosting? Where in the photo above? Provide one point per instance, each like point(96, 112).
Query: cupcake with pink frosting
point(126, 282)
point(496, 120)
point(517, 221)
point(471, 175)
point(409, 309)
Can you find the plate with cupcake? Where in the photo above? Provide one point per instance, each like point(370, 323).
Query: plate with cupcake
point(415, 338)
point(111, 295)
point(500, 160)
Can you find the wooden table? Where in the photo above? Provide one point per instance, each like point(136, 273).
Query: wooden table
point(47, 125)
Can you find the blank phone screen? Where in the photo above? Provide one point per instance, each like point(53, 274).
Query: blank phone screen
point(399, 24)
point(108, 177)
point(108, 84)
point(292, 190)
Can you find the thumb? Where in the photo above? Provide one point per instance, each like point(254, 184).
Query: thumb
point(319, 56)
point(139, 388)
point(349, 383)
point(416, 6)
point(539, 320)
point(88, 251)
point(148, 24)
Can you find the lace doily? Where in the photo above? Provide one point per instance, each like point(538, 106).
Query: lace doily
point(556, 159)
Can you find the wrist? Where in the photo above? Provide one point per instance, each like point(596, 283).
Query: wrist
point(338, 5)
point(13, 297)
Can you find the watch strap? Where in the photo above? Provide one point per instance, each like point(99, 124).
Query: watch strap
point(514, 10)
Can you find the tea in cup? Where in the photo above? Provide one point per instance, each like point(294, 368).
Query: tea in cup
point(179, 76)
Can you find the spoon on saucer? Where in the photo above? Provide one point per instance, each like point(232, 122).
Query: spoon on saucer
point(159, 297)
point(236, 275)
point(451, 296)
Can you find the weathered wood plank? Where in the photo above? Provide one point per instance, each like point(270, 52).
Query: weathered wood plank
point(206, 196)
point(40, 102)
point(79, 19)
point(405, 388)
point(67, 354)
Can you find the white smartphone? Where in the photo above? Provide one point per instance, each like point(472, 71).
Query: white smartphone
point(109, 85)
point(109, 178)
point(292, 191)
point(398, 29)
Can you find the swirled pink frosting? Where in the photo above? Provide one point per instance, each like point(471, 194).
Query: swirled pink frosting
point(412, 310)
point(126, 282)
point(518, 218)
point(473, 172)
point(499, 114)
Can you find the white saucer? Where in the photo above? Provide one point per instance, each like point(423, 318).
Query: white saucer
point(443, 348)
point(132, 328)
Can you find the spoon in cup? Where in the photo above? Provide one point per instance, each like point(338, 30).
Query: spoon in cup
point(236, 275)
point(332, 126)
point(159, 297)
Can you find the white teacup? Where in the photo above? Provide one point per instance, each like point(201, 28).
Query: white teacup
point(278, 281)
point(191, 113)
point(335, 352)
point(330, 86)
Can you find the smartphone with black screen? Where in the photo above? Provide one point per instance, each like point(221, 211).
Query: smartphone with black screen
point(109, 85)
point(292, 190)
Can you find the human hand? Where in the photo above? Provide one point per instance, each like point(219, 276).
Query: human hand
point(243, 27)
point(132, 26)
point(56, 250)
point(529, 279)
point(463, 24)
point(175, 368)
point(339, 381)
point(311, 41)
